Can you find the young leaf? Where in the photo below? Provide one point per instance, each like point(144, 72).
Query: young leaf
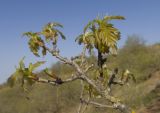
point(104, 35)
point(48, 72)
point(61, 34)
point(107, 18)
point(21, 63)
point(51, 33)
point(32, 67)
point(15, 77)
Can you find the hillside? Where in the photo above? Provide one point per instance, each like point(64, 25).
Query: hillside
point(143, 96)
point(153, 94)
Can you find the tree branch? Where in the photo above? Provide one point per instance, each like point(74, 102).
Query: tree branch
point(82, 75)
point(64, 60)
point(55, 82)
point(56, 54)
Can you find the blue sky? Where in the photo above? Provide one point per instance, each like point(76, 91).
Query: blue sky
point(18, 16)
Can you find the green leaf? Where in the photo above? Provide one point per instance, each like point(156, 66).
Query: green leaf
point(15, 77)
point(11, 80)
point(21, 63)
point(79, 39)
point(103, 35)
point(61, 34)
point(87, 26)
point(24, 75)
point(51, 33)
point(34, 45)
point(107, 18)
point(32, 67)
point(56, 24)
point(47, 71)
point(28, 34)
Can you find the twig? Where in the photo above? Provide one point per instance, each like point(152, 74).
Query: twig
point(81, 96)
point(89, 67)
point(97, 104)
point(83, 55)
point(86, 106)
point(55, 82)
point(56, 54)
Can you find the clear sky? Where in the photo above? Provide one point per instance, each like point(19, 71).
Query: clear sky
point(18, 16)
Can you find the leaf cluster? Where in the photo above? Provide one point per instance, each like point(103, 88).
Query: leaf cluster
point(24, 75)
point(101, 34)
point(37, 40)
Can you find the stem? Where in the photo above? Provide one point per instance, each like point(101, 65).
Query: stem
point(81, 96)
point(100, 63)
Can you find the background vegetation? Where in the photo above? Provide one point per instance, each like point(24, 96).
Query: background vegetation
point(141, 59)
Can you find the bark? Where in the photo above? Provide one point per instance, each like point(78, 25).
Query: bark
point(100, 63)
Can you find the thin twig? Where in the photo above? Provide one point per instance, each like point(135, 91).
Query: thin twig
point(97, 104)
point(83, 55)
point(86, 106)
point(81, 96)
point(56, 54)
point(89, 67)
point(54, 82)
